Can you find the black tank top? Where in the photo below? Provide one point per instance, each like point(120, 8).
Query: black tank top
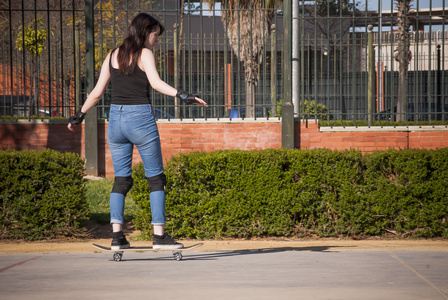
point(129, 89)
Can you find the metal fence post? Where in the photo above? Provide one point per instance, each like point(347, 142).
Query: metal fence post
point(287, 107)
point(91, 120)
point(77, 68)
point(176, 69)
point(273, 71)
point(371, 76)
point(295, 57)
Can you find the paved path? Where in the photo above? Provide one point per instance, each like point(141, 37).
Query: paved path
point(308, 273)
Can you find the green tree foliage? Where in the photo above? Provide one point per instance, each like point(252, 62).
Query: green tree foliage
point(311, 110)
point(32, 37)
point(109, 30)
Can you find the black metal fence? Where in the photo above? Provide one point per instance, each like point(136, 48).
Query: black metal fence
point(45, 43)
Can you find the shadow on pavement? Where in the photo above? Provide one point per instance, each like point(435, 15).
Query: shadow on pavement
point(230, 253)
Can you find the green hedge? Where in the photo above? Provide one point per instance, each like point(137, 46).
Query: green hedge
point(328, 193)
point(41, 194)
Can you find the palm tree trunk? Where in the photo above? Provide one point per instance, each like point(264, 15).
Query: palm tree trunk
point(403, 55)
point(402, 97)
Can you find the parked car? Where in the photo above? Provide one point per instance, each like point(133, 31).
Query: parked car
point(48, 113)
point(15, 105)
point(421, 112)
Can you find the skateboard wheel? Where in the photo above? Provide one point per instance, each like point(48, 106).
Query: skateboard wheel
point(178, 256)
point(118, 256)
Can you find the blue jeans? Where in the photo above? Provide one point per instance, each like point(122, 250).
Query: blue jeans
point(131, 125)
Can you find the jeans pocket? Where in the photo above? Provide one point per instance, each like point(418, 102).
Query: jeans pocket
point(112, 128)
point(141, 129)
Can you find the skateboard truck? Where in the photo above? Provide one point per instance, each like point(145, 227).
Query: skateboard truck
point(177, 254)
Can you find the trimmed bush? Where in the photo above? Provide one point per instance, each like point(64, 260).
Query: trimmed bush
point(321, 192)
point(407, 192)
point(41, 194)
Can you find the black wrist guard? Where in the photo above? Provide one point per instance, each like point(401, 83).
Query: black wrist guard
point(185, 97)
point(77, 118)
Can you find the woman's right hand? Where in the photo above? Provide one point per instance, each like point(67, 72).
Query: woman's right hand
point(200, 101)
point(189, 98)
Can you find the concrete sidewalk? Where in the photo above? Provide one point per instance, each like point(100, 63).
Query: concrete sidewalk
point(312, 272)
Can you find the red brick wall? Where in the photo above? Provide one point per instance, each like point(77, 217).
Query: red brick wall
point(176, 136)
point(364, 139)
point(210, 136)
point(184, 136)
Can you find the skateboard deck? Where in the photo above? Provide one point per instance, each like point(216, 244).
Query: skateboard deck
point(118, 254)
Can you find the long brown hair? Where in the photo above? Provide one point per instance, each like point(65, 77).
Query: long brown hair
point(141, 27)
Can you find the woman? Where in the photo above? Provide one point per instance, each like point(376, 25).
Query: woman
point(131, 69)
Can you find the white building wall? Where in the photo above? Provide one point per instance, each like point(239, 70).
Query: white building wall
point(424, 51)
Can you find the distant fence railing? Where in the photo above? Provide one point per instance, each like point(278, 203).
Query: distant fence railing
point(196, 54)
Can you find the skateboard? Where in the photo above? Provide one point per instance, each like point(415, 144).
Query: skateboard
point(118, 254)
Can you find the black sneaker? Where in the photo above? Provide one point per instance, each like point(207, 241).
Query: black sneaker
point(165, 242)
point(119, 241)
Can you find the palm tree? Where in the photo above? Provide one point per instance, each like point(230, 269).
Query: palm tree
point(247, 24)
point(403, 55)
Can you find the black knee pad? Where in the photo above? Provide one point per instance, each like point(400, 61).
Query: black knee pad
point(157, 183)
point(122, 185)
